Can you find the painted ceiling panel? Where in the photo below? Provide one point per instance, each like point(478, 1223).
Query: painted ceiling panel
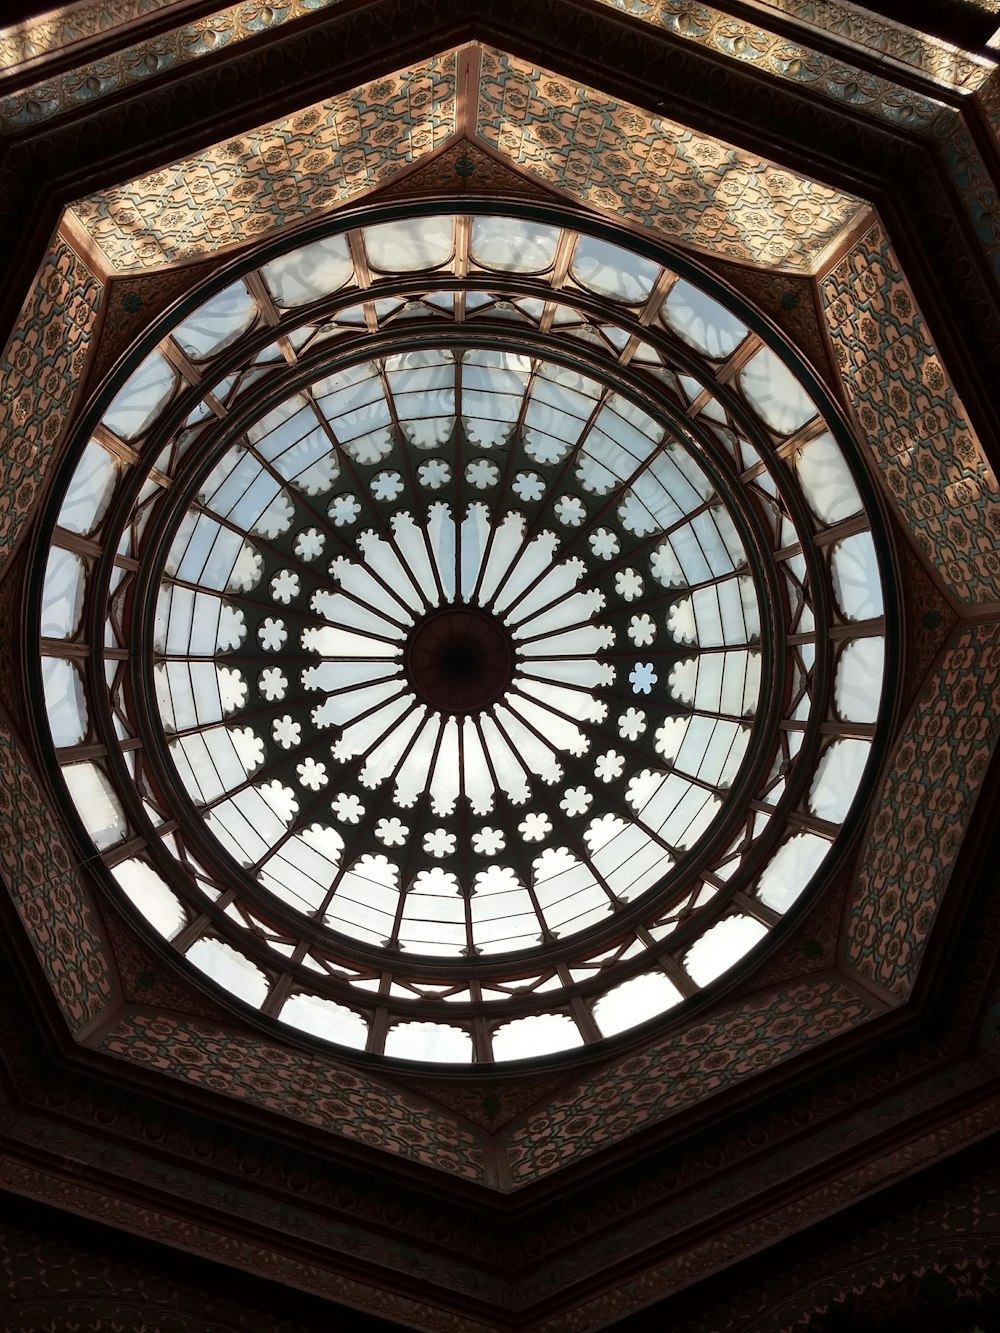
point(653, 172)
point(277, 175)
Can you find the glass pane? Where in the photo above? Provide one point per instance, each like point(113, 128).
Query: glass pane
point(837, 777)
point(152, 896)
point(541, 1034)
point(65, 700)
point(721, 947)
point(96, 804)
point(702, 322)
point(791, 869)
point(857, 688)
point(856, 584)
point(609, 270)
point(217, 323)
point(410, 244)
point(773, 390)
point(634, 1002)
point(327, 1019)
point(310, 272)
point(146, 392)
point(514, 245)
point(62, 596)
point(826, 480)
point(429, 1041)
point(90, 491)
point(230, 969)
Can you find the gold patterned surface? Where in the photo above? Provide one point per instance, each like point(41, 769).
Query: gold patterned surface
point(279, 174)
point(654, 172)
point(609, 155)
point(42, 36)
point(920, 440)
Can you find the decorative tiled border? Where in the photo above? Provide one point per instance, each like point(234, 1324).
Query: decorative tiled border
point(135, 64)
point(655, 173)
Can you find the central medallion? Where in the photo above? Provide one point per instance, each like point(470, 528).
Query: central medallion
point(459, 660)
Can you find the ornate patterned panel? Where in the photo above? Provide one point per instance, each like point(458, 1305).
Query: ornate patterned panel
point(843, 82)
point(686, 1067)
point(276, 175)
point(40, 371)
point(133, 64)
point(654, 172)
point(923, 809)
point(344, 1101)
point(883, 37)
point(48, 893)
point(919, 437)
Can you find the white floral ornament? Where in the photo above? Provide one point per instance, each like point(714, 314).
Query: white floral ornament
point(272, 634)
point(482, 474)
point(642, 630)
point(434, 473)
point(284, 586)
point(610, 765)
point(347, 807)
point(273, 683)
point(528, 486)
point(604, 543)
point(312, 774)
point(309, 544)
point(632, 724)
point(628, 584)
point(391, 832)
point(344, 509)
point(535, 827)
point(642, 678)
point(577, 801)
point(570, 510)
point(387, 486)
point(286, 731)
point(439, 843)
point(488, 842)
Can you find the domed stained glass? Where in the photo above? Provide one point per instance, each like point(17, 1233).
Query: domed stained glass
point(462, 672)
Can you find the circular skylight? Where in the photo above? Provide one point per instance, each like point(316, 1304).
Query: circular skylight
point(463, 666)
point(479, 694)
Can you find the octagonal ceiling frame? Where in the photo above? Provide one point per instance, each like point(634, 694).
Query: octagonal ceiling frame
point(980, 637)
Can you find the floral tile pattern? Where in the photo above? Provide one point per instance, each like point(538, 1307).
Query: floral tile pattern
point(49, 894)
point(686, 1067)
point(652, 171)
point(296, 168)
point(923, 809)
point(310, 1088)
point(45, 354)
point(919, 437)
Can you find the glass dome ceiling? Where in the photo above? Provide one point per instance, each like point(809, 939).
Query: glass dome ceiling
point(462, 637)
